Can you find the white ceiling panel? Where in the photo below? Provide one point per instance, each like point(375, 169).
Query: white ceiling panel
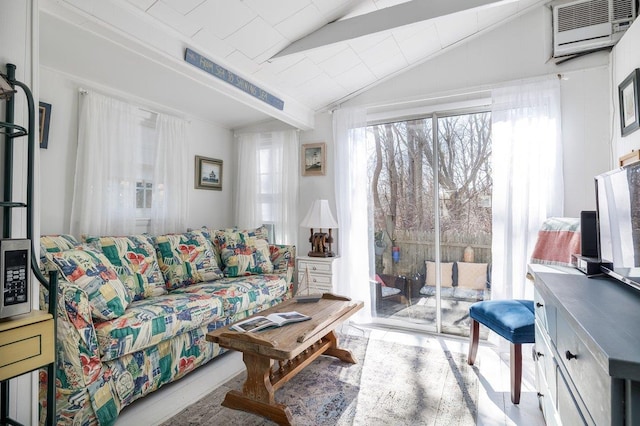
point(298, 25)
point(381, 52)
point(174, 19)
point(299, 73)
point(276, 11)
point(255, 38)
point(340, 63)
point(245, 35)
point(212, 44)
point(182, 6)
point(222, 17)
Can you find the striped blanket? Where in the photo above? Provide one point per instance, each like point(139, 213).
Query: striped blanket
point(558, 239)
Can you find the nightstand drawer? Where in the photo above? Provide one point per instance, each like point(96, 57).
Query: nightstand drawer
point(25, 348)
point(314, 267)
point(315, 279)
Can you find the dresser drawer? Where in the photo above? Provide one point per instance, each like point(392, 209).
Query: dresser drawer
point(545, 361)
point(591, 381)
point(567, 408)
point(545, 315)
point(314, 267)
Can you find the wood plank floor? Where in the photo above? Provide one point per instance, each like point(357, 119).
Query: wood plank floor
point(494, 403)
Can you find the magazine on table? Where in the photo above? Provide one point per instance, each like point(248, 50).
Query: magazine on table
point(273, 320)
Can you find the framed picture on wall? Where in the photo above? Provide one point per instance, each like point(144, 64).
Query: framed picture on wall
point(629, 108)
point(314, 159)
point(45, 118)
point(208, 173)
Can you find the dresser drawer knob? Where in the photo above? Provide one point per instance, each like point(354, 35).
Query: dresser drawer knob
point(539, 354)
point(570, 356)
point(540, 395)
point(539, 305)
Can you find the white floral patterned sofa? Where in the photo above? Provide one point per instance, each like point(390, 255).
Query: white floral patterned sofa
point(133, 311)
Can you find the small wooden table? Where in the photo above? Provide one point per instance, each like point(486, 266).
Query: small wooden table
point(294, 346)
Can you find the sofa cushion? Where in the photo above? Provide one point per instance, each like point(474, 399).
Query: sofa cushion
point(472, 275)
point(55, 244)
point(150, 321)
point(243, 293)
point(243, 253)
point(92, 272)
point(186, 259)
point(446, 273)
point(134, 255)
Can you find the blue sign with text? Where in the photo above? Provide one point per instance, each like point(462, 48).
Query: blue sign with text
point(235, 80)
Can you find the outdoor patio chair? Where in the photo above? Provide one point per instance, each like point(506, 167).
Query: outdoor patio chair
point(392, 287)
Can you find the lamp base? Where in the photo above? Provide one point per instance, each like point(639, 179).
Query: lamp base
point(321, 245)
point(321, 254)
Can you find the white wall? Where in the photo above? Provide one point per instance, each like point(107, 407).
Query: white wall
point(624, 59)
point(206, 207)
point(517, 50)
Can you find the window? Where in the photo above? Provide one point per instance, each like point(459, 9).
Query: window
point(144, 177)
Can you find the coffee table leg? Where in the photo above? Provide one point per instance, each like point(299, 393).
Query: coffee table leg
point(257, 394)
point(334, 350)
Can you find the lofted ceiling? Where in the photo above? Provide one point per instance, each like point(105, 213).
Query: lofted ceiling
point(313, 54)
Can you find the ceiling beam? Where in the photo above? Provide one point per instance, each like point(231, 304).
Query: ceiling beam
point(384, 19)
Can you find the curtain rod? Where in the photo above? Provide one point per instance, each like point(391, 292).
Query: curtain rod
point(83, 91)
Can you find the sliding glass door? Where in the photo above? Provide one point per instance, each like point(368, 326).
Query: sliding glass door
point(431, 206)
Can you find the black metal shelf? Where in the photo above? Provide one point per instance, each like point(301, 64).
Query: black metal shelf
point(12, 130)
point(12, 204)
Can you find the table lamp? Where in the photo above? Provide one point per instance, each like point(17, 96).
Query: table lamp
point(319, 217)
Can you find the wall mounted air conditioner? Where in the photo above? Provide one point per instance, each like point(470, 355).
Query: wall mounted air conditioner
point(586, 25)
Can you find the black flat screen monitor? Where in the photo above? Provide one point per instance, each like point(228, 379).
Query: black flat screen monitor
point(618, 218)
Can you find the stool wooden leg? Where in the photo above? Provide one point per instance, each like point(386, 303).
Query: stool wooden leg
point(474, 337)
point(516, 372)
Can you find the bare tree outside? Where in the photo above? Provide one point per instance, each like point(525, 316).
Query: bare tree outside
point(401, 171)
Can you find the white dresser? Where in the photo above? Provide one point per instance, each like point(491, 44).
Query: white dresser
point(318, 273)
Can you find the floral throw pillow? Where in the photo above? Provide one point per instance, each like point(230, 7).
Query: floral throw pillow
point(133, 255)
point(92, 272)
point(244, 254)
point(55, 244)
point(186, 259)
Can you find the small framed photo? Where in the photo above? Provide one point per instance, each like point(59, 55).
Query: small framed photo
point(45, 117)
point(629, 108)
point(314, 159)
point(208, 173)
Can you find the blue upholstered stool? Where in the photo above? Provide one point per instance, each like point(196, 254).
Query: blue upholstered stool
point(511, 319)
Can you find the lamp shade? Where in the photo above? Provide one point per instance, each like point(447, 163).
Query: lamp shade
point(319, 216)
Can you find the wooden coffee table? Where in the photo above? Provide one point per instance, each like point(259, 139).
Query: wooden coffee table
point(294, 346)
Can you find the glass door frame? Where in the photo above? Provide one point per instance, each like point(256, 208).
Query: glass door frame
point(434, 116)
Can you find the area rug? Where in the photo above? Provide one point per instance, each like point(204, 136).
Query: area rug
point(392, 384)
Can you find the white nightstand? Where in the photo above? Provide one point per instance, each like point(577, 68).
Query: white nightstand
point(316, 272)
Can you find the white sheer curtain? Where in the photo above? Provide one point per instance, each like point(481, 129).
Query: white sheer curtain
point(170, 178)
point(267, 180)
point(104, 201)
point(528, 184)
point(352, 205)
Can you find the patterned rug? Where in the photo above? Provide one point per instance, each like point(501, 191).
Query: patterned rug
point(392, 384)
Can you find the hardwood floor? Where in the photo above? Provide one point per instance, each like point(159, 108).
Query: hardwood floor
point(494, 400)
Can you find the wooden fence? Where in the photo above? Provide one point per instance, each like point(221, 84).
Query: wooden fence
point(417, 247)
